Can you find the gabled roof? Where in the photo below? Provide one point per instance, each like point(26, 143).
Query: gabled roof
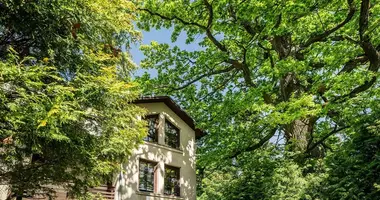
point(175, 108)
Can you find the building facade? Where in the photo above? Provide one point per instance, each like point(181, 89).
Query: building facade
point(164, 166)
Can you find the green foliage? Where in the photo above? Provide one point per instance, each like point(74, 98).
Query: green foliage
point(69, 33)
point(260, 175)
point(306, 72)
point(66, 116)
point(354, 169)
point(86, 126)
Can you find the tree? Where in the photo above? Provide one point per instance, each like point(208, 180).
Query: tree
point(354, 169)
point(260, 175)
point(304, 71)
point(66, 116)
point(292, 67)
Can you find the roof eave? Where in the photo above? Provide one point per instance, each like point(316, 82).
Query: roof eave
point(176, 109)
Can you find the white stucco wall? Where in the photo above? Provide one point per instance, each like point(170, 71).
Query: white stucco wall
point(127, 184)
point(3, 192)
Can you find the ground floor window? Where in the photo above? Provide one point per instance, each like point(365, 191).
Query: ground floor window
point(146, 176)
point(172, 181)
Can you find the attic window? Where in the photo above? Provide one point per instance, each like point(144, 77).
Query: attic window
point(171, 135)
point(152, 128)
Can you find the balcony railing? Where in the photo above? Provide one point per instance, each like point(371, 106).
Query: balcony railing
point(101, 192)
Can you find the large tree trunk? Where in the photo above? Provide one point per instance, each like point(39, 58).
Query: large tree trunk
point(298, 133)
point(298, 136)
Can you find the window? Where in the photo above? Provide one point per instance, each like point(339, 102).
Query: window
point(152, 128)
point(38, 158)
point(171, 135)
point(146, 176)
point(171, 186)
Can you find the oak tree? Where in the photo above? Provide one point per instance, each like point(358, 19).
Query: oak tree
point(292, 75)
point(297, 68)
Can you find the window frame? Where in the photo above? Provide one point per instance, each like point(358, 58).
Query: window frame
point(178, 144)
point(154, 175)
point(146, 118)
point(177, 188)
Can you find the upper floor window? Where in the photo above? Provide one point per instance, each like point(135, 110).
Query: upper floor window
point(171, 135)
point(171, 181)
point(152, 128)
point(146, 176)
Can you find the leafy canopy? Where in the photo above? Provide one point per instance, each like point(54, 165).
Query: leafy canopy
point(298, 75)
point(66, 116)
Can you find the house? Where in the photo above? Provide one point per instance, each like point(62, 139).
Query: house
point(163, 167)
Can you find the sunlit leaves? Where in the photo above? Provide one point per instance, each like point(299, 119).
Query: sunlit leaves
point(66, 112)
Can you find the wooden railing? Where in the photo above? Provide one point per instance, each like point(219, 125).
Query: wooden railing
point(101, 192)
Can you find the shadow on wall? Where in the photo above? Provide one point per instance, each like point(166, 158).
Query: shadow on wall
point(187, 183)
point(128, 178)
point(190, 149)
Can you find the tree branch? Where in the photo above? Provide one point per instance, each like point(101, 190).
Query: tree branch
point(351, 64)
point(246, 24)
point(370, 51)
point(174, 17)
point(255, 146)
point(362, 88)
point(323, 35)
point(222, 85)
point(209, 25)
point(245, 69)
point(202, 76)
point(344, 38)
point(336, 130)
point(363, 19)
point(204, 28)
point(218, 44)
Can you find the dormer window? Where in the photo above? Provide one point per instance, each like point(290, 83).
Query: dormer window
point(152, 128)
point(171, 135)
